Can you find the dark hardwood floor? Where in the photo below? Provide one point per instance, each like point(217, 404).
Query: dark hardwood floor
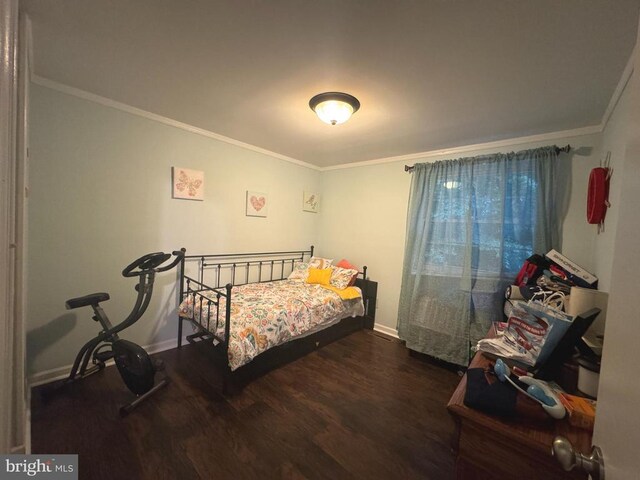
point(360, 407)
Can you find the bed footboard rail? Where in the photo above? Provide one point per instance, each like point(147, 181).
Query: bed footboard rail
point(203, 310)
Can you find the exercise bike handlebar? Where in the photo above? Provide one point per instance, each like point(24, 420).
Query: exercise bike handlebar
point(148, 267)
point(179, 254)
point(150, 262)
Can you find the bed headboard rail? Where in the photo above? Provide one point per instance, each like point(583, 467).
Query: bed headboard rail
point(218, 270)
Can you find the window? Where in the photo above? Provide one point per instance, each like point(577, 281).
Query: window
point(471, 223)
point(496, 214)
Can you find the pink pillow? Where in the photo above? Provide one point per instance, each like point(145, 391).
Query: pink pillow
point(348, 265)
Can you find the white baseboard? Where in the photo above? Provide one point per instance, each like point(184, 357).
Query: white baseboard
point(48, 376)
point(59, 373)
point(165, 345)
point(392, 332)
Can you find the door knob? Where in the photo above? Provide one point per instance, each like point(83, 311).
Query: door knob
point(568, 458)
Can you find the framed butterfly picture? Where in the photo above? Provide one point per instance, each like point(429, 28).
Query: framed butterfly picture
point(257, 204)
point(187, 184)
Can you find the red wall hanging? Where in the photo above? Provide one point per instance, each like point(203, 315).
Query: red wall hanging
point(598, 194)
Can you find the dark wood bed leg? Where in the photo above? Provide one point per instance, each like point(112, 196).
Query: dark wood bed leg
point(226, 391)
point(225, 386)
point(181, 298)
point(228, 384)
point(368, 322)
point(370, 294)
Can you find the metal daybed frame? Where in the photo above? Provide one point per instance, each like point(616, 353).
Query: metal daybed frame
point(220, 273)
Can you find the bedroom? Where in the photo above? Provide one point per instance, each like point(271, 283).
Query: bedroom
point(104, 135)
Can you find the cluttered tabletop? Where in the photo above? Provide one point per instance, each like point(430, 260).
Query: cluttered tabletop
point(529, 427)
point(534, 376)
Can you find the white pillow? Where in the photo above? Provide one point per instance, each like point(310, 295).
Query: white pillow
point(319, 262)
point(300, 271)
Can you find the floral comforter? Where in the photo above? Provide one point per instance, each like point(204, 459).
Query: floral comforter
point(264, 315)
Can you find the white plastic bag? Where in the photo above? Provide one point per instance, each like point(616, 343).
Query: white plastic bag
point(522, 339)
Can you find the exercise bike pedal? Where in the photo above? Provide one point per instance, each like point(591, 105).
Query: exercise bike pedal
point(97, 367)
point(102, 357)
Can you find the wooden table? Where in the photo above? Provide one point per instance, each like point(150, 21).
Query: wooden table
point(488, 447)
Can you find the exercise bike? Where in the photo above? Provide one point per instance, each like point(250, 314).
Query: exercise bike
point(133, 362)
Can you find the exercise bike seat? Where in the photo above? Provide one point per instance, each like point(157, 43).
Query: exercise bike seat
point(91, 299)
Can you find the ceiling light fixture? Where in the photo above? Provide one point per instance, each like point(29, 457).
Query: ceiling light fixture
point(334, 107)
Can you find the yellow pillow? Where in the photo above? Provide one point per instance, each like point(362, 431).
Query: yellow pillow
point(320, 276)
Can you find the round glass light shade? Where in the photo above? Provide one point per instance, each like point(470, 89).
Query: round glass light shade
point(334, 108)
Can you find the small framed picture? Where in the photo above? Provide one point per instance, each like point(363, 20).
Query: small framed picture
point(310, 202)
point(257, 204)
point(187, 184)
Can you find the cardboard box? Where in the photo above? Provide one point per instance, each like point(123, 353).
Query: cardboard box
point(581, 411)
point(572, 268)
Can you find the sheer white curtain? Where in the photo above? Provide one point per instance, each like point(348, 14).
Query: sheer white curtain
point(471, 223)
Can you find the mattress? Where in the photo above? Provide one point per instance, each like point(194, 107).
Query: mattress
point(264, 315)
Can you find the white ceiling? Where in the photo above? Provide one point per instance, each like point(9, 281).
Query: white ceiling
point(429, 74)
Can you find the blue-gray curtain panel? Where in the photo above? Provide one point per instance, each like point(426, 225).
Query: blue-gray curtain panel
point(471, 224)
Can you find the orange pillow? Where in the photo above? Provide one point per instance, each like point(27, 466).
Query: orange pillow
point(320, 276)
point(349, 266)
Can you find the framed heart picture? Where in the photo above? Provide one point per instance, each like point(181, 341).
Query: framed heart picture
point(257, 204)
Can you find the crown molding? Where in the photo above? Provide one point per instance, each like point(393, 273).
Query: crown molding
point(107, 102)
point(617, 93)
point(589, 130)
point(544, 137)
point(615, 97)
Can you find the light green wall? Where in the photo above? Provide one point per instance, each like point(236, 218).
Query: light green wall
point(100, 196)
point(614, 140)
point(364, 215)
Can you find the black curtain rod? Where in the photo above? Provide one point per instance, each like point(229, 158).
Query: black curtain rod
point(565, 149)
